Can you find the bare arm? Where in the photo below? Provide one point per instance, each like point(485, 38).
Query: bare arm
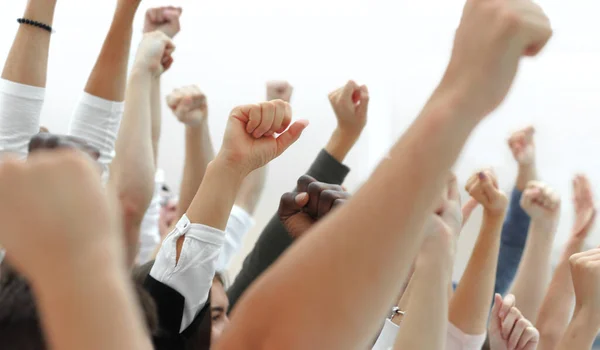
point(470, 304)
point(557, 306)
point(331, 269)
point(533, 275)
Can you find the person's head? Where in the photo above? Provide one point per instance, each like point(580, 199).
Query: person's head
point(219, 307)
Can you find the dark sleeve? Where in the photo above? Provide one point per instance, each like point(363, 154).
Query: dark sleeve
point(274, 239)
point(512, 244)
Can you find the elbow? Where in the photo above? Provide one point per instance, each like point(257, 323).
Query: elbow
point(134, 204)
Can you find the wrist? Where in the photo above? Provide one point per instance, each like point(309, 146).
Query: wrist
point(586, 319)
point(232, 169)
point(544, 225)
point(341, 142)
point(492, 217)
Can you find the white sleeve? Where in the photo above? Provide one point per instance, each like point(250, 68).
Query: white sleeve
point(238, 225)
point(149, 231)
point(97, 121)
point(193, 274)
point(387, 337)
point(455, 338)
point(458, 340)
point(20, 111)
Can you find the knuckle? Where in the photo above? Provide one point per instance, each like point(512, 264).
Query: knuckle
point(315, 187)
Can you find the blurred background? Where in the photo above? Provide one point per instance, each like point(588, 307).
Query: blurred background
point(230, 48)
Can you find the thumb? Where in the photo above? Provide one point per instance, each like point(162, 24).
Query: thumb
point(290, 136)
point(292, 203)
point(348, 90)
point(467, 210)
point(495, 324)
point(497, 304)
point(183, 107)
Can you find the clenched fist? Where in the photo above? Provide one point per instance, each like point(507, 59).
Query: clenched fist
point(164, 19)
point(55, 213)
point(350, 104)
point(154, 53)
point(189, 105)
point(310, 202)
point(522, 146)
point(447, 219)
point(540, 202)
point(585, 271)
point(279, 90)
point(483, 187)
point(256, 134)
point(509, 329)
point(47, 141)
point(491, 39)
point(585, 210)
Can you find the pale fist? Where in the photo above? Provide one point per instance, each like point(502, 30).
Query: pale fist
point(164, 19)
point(483, 187)
point(585, 210)
point(189, 105)
point(585, 272)
point(154, 53)
point(256, 134)
point(491, 39)
point(509, 329)
point(279, 90)
point(350, 104)
point(53, 211)
point(522, 146)
point(541, 202)
point(445, 223)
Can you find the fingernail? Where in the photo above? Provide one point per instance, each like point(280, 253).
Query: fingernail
point(481, 175)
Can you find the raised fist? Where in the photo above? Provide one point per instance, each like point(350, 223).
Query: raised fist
point(491, 39)
point(509, 329)
point(585, 272)
point(447, 219)
point(541, 202)
point(54, 212)
point(164, 19)
point(189, 105)
point(251, 139)
point(585, 210)
point(350, 104)
point(522, 146)
point(279, 90)
point(154, 53)
point(47, 141)
point(310, 202)
point(483, 187)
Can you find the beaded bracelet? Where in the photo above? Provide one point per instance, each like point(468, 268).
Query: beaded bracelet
point(35, 24)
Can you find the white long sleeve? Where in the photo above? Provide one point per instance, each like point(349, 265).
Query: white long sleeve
point(97, 121)
point(149, 230)
point(455, 338)
point(193, 274)
point(238, 225)
point(20, 112)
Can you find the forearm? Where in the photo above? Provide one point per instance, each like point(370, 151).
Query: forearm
point(87, 299)
point(251, 190)
point(557, 306)
point(415, 170)
point(580, 333)
point(425, 323)
point(198, 153)
point(132, 171)
point(533, 274)
point(156, 115)
point(27, 61)
point(526, 173)
point(109, 75)
point(340, 143)
point(470, 304)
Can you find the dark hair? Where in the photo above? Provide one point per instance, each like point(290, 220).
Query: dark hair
point(20, 326)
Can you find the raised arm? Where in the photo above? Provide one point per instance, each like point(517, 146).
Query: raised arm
point(557, 306)
point(516, 224)
point(542, 204)
point(22, 88)
point(470, 303)
point(76, 237)
point(331, 270)
point(132, 171)
point(426, 321)
point(585, 324)
point(327, 167)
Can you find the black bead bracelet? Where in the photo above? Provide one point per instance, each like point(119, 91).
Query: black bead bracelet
point(35, 24)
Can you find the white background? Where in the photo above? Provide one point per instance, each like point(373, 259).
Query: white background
point(398, 48)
